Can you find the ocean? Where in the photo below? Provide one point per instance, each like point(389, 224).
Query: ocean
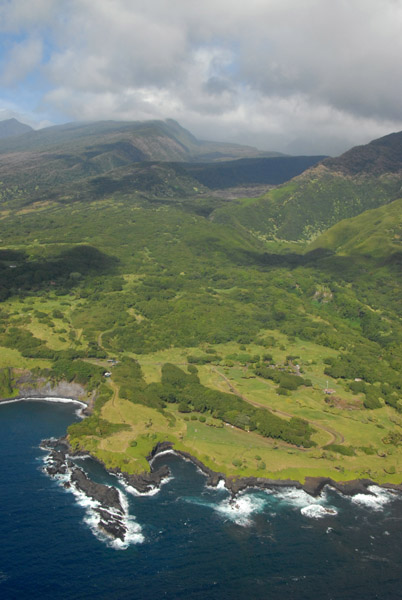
point(187, 540)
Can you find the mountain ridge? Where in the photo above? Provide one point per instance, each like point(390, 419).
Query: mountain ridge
point(362, 178)
point(167, 140)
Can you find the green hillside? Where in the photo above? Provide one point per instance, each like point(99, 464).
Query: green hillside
point(338, 188)
point(376, 233)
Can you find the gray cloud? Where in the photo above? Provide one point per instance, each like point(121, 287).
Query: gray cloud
point(22, 58)
point(313, 76)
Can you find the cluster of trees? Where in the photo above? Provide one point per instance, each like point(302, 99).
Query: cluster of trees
point(374, 394)
point(65, 363)
point(380, 379)
point(286, 381)
point(95, 425)
point(77, 370)
point(24, 341)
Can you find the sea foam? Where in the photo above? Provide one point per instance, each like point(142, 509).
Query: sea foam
point(317, 511)
point(376, 500)
point(240, 509)
point(296, 497)
point(314, 508)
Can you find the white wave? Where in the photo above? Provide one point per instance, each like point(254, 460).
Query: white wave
point(376, 500)
point(80, 457)
point(220, 486)
point(132, 537)
point(240, 509)
point(317, 511)
point(297, 497)
point(163, 453)
point(153, 490)
point(44, 399)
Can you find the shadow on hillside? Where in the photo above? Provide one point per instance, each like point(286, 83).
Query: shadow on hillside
point(326, 261)
point(20, 275)
point(289, 260)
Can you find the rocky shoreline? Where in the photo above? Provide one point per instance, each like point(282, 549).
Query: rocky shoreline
point(111, 515)
point(312, 485)
point(146, 482)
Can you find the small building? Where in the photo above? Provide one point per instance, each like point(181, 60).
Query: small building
point(329, 391)
point(107, 374)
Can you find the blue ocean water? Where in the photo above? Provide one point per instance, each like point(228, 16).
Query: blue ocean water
point(195, 545)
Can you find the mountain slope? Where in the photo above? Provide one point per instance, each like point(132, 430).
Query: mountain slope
point(379, 157)
point(363, 178)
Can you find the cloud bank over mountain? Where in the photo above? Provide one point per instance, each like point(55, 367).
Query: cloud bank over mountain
point(313, 76)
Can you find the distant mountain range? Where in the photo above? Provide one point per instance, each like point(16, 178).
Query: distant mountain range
point(160, 158)
point(122, 142)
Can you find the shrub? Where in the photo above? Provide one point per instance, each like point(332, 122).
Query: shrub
point(345, 450)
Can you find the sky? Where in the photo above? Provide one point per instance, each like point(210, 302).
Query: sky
point(296, 76)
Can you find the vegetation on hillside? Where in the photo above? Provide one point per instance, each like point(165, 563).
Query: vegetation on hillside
point(191, 328)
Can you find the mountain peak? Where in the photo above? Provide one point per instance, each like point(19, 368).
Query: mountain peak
point(12, 127)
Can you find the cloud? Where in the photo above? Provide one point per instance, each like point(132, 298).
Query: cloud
point(16, 15)
point(22, 58)
point(316, 75)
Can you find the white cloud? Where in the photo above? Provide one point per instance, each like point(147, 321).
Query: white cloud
point(281, 74)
